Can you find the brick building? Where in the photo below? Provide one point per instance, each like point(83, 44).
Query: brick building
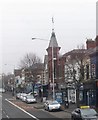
point(53, 59)
point(90, 86)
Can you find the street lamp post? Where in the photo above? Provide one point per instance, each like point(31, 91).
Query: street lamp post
point(53, 73)
point(52, 66)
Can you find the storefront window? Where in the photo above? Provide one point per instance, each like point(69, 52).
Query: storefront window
point(81, 95)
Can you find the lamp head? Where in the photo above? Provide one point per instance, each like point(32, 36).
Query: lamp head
point(33, 38)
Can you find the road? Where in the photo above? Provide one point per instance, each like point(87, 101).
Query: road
point(12, 108)
point(0, 106)
point(10, 111)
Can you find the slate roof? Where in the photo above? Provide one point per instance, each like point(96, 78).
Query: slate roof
point(53, 41)
point(75, 52)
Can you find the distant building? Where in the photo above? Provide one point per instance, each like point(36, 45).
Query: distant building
point(73, 61)
point(0, 80)
point(73, 71)
point(18, 75)
point(46, 74)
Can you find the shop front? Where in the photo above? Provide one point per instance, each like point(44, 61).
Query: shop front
point(88, 95)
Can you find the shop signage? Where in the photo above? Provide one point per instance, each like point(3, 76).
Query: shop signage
point(59, 97)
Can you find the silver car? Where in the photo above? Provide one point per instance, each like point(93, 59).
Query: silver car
point(23, 97)
point(2, 90)
point(18, 95)
point(52, 105)
point(30, 99)
point(35, 93)
point(84, 113)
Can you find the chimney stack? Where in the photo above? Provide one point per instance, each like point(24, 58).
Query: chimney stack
point(96, 40)
point(90, 44)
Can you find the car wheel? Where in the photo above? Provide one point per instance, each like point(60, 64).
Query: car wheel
point(44, 108)
point(60, 108)
point(49, 109)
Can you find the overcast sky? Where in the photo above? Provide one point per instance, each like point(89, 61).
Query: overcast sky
point(74, 21)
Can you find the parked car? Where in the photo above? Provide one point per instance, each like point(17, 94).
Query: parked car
point(84, 113)
point(35, 93)
point(2, 90)
point(23, 97)
point(52, 105)
point(30, 99)
point(18, 95)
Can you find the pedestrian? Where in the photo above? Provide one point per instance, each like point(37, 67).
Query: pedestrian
point(66, 104)
point(12, 91)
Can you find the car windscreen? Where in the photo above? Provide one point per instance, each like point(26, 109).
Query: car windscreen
point(30, 96)
point(88, 112)
point(54, 103)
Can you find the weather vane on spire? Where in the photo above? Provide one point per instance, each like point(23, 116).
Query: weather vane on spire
point(52, 24)
point(52, 20)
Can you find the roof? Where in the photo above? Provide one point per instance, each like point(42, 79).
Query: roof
point(76, 52)
point(53, 41)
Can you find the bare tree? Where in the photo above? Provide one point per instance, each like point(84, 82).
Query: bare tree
point(74, 69)
point(29, 60)
point(28, 64)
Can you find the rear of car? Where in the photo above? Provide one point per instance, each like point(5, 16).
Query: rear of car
point(30, 99)
point(52, 105)
point(2, 90)
point(24, 97)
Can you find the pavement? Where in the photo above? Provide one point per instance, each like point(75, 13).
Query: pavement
point(71, 108)
point(40, 105)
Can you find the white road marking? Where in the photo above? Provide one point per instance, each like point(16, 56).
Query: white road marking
point(5, 114)
point(22, 109)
